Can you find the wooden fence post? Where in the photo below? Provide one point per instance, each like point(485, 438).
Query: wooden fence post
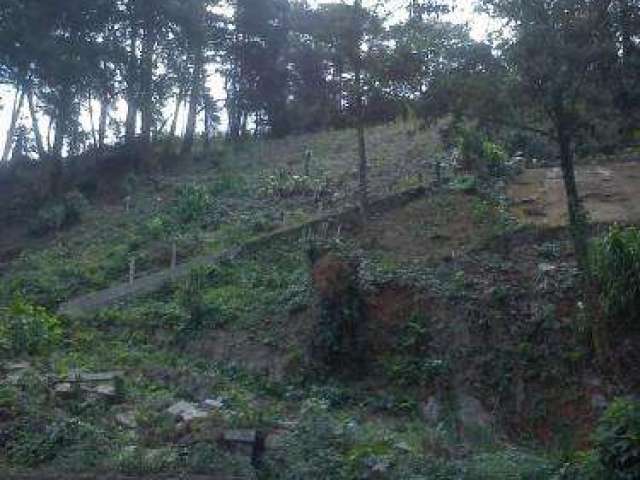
point(132, 270)
point(174, 255)
point(307, 163)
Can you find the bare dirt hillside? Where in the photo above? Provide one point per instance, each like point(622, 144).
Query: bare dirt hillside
point(610, 194)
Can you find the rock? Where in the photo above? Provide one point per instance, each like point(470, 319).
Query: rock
point(599, 403)
point(275, 441)
point(187, 411)
point(472, 413)
point(288, 424)
point(431, 411)
point(212, 404)
point(107, 392)
point(240, 436)
point(243, 442)
point(546, 267)
point(81, 377)
point(64, 391)
point(95, 386)
point(15, 371)
point(16, 366)
point(126, 419)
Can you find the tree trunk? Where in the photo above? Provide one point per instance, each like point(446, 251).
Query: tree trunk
point(579, 235)
point(34, 125)
point(94, 135)
point(577, 217)
point(62, 121)
point(148, 41)
point(176, 113)
point(17, 107)
point(132, 83)
point(362, 149)
point(196, 93)
point(49, 130)
point(102, 124)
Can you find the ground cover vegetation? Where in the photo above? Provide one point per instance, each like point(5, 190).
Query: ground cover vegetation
point(431, 332)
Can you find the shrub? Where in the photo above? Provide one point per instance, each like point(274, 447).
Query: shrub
point(464, 183)
point(41, 440)
point(616, 270)
point(495, 158)
point(480, 154)
point(314, 449)
point(60, 214)
point(192, 203)
point(509, 464)
point(470, 142)
point(284, 184)
point(617, 440)
point(26, 328)
point(190, 296)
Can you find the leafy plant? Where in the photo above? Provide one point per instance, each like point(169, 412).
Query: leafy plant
point(509, 464)
point(495, 157)
point(464, 183)
point(617, 440)
point(285, 184)
point(190, 295)
point(25, 328)
point(60, 214)
point(616, 270)
point(40, 440)
point(192, 203)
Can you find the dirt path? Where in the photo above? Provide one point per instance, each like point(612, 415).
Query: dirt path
point(610, 193)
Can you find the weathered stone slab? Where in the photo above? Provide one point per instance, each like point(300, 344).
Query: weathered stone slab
point(187, 411)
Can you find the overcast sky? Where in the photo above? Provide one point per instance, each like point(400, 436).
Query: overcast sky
point(464, 12)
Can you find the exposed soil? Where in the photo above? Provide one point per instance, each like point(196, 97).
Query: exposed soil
point(610, 194)
point(431, 229)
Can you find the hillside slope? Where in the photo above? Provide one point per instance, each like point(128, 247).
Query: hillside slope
point(467, 363)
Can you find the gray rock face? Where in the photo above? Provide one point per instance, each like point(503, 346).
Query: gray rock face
point(472, 413)
point(187, 411)
point(212, 404)
point(15, 370)
point(240, 436)
point(243, 442)
point(82, 377)
point(126, 419)
point(431, 411)
point(91, 386)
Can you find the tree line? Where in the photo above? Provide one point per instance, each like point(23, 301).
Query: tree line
point(564, 70)
point(287, 67)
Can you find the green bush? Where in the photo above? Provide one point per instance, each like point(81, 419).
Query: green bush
point(190, 295)
point(495, 158)
point(464, 183)
point(479, 153)
point(60, 214)
point(615, 264)
point(192, 203)
point(509, 464)
point(617, 440)
point(470, 142)
point(284, 184)
point(26, 328)
point(41, 440)
point(314, 449)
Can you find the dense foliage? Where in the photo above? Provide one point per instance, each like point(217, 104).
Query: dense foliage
point(616, 268)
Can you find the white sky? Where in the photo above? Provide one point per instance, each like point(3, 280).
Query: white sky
point(479, 26)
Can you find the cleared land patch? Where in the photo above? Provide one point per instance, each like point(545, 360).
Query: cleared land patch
point(609, 193)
